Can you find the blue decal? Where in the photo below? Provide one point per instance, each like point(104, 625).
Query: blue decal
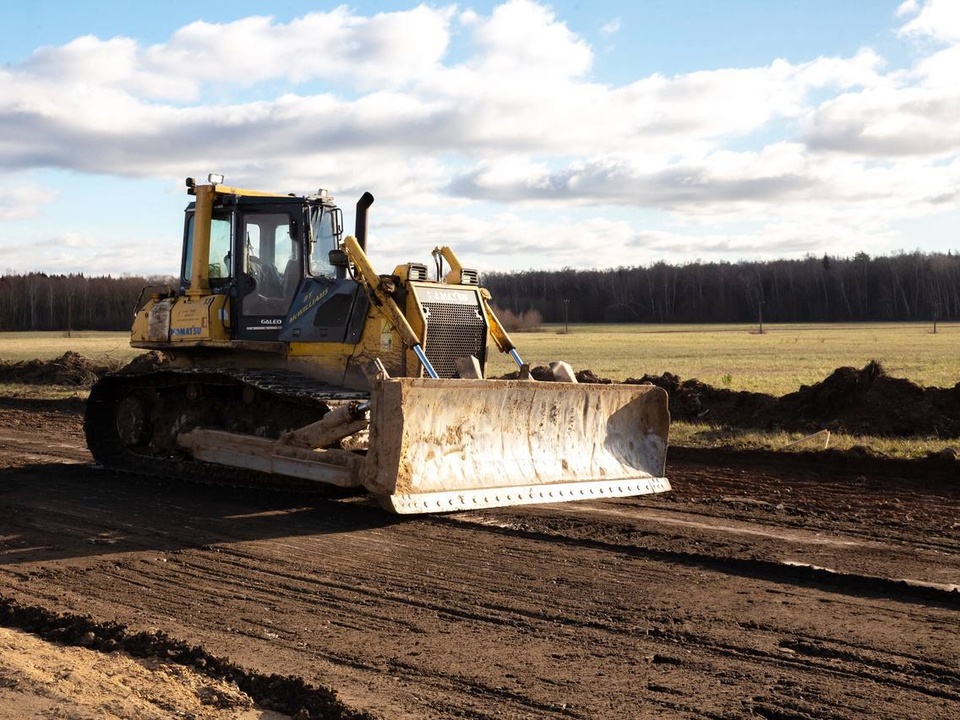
point(186, 332)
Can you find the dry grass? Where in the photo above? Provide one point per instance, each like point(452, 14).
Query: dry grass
point(737, 357)
point(107, 348)
point(23, 391)
point(730, 356)
point(777, 362)
point(697, 435)
point(111, 349)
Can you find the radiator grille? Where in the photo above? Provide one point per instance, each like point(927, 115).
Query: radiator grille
point(454, 329)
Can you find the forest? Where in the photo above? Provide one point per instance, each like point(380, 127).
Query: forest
point(37, 301)
point(902, 287)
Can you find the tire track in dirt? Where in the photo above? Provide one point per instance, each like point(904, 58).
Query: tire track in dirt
point(893, 499)
point(564, 525)
point(248, 578)
point(441, 618)
point(254, 581)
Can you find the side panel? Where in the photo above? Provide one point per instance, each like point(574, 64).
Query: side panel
point(326, 311)
point(379, 341)
point(205, 318)
point(183, 319)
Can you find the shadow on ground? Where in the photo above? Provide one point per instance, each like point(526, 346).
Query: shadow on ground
point(98, 512)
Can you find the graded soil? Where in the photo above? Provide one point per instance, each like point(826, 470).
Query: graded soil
point(820, 585)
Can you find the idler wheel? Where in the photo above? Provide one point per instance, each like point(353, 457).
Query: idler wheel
point(133, 421)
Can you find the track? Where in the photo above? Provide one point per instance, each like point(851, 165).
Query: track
point(148, 406)
point(751, 591)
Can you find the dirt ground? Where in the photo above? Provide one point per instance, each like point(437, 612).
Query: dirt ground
point(39, 679)
point(823, 586)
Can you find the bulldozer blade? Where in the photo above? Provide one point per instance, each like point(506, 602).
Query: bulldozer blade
point(446, 445)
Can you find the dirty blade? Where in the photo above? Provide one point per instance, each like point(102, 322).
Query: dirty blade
point(443, 445)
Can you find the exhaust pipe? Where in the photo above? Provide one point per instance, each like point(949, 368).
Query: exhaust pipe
point(360, 231)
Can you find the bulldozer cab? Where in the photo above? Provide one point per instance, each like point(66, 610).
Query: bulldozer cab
point(261, 252)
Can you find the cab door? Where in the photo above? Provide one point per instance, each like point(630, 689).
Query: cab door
point(270, 270)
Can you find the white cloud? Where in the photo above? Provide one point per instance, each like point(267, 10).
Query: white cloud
point(522, 91)
point(774, 156)
point(499, 241)
point(75, 240)
point(526, 38)
point(937, 19)
point(611, 27)
point(907, 7)
point(388, 48)
point(22, 202)
point(888, 123)
point(76, 253)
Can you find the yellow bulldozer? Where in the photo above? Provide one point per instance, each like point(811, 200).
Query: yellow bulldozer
point(289, 360)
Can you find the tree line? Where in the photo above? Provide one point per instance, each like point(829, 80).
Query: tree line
point(37, 301)
point(902, 287)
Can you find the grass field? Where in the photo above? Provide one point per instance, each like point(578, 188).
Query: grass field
point(701, 435)
point(779, 361)
point(101, 347)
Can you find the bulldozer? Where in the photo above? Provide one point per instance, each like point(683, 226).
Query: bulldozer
point(289, 361)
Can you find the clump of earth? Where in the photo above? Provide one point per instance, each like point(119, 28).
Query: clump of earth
point(69, 369)
point(864, 401)
point(232, 686)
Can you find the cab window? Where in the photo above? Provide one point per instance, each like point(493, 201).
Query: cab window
point(219, 261)
point(323, 239)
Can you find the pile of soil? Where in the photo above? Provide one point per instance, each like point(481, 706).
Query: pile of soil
point(860, 402)
point(74, 369)
point(863, 401)
point(145, 362)
point(69, 369)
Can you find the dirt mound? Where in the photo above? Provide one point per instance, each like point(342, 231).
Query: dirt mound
point(694, 400)
point(146, 362)
point(73, 369)
point(860, 402)
point(870, 402)
point(69, 369)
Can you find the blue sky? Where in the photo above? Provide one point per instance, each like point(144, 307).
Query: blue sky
point(524, 134)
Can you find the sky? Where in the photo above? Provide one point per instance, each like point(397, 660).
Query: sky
point(523, 134)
